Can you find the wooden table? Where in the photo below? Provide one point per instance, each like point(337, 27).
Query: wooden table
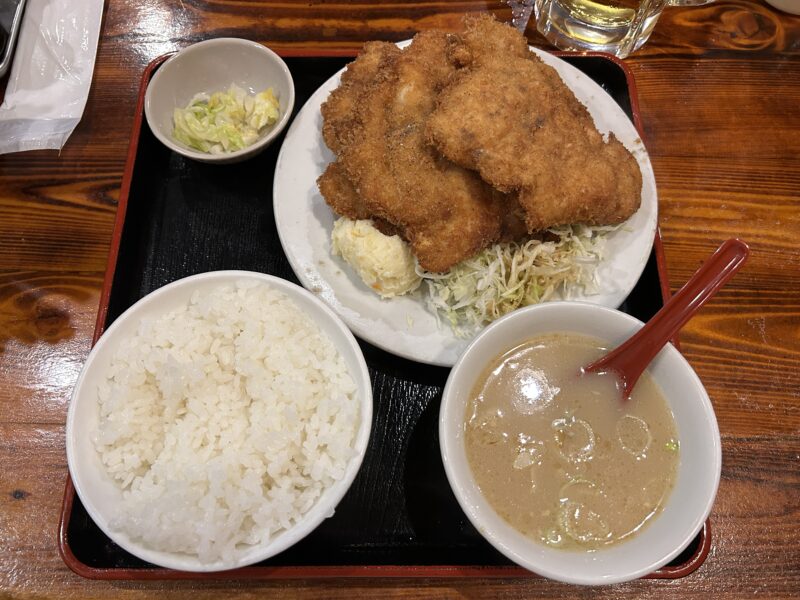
point(719, 91)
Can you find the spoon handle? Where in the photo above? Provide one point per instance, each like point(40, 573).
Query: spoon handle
point(630, 359)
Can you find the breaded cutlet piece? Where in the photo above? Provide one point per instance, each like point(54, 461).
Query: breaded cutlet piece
point(339, 111)
point(341, 196)
point(511, 118)
point(447, 213)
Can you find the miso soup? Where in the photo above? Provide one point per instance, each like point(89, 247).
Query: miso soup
point(559, 455)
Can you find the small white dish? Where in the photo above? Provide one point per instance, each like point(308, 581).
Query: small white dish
point(212, 66)
point(100, 495)
point(690, 501)
point(404, 326)
point(789, 6)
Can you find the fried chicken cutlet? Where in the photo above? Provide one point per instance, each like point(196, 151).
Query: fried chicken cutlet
point(339, 116)
point(511, 118)
point(339, 111)
point(342, 197)
point(447, 213)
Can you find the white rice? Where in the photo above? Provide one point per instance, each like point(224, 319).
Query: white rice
point(224, 421)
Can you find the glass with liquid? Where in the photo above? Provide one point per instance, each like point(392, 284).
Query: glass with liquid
point(690, 2)
point(618, 27)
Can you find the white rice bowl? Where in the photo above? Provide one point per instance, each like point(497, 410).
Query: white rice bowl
point(221, 423)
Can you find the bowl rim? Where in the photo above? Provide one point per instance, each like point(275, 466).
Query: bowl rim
point(448, 441)
point(309, 520)
point(253, 148)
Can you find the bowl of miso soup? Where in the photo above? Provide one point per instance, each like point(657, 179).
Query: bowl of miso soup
point(555, 469)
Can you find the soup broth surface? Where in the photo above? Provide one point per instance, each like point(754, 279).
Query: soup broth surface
point(559, 455)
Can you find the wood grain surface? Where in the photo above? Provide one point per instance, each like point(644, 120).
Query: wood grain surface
point(719, 92)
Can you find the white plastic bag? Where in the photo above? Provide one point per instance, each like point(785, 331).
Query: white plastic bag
point(51, 74)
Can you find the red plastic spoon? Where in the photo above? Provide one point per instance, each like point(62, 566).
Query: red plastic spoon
point(629, 360)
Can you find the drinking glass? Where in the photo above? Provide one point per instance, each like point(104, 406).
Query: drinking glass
point(690, 2)
point(520, 13)
point(618, 27)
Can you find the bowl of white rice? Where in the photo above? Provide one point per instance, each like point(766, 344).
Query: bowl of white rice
point(218, 421)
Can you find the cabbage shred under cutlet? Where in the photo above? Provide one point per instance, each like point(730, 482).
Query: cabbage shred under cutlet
point(511, 275)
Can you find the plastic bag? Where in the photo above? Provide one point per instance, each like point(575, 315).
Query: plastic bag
point(51, 74)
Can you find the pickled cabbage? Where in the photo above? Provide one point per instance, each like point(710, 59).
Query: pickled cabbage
point(225, 121)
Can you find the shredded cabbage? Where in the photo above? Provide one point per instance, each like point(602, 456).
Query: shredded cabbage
point(225, 121)
point(508, 276)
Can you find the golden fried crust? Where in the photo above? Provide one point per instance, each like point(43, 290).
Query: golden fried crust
point(339, 111)
point(513, 227)
point(486, 39)
point(446, 212)
point(510, 117)
point(340, 194)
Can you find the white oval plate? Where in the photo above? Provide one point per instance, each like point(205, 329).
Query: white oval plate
point(404, 326)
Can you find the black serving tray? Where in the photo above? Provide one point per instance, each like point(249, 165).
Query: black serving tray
point(177, 217)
